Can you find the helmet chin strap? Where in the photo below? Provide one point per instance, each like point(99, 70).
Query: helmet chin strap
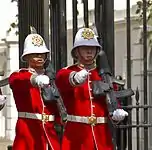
point(87, 66)
point(39, 67)
point(93, 59)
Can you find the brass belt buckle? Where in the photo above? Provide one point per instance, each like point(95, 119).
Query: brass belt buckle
point(92, 120)
point(45, 118)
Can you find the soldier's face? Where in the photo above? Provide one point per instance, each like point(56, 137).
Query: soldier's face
point(36, 60)
point(86, 54)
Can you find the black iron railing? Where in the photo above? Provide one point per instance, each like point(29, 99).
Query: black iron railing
point(33, 12)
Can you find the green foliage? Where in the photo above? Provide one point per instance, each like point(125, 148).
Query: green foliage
point(139, 11)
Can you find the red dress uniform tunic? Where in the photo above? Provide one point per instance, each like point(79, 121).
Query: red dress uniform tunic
point(32, 134)
point(79, 101)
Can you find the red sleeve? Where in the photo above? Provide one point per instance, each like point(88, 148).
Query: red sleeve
point(20, 79)
point(62, 80)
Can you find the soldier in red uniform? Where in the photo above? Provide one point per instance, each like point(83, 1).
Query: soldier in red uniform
point(2, 100)
point(86, 127)
point(36, 118)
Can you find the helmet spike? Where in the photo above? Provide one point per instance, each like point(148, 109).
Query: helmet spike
point(33, 30)
point(94, 28)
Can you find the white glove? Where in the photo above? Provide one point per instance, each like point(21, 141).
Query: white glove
point(2, 99)
point(81, 76)
point(119, 115)
point(42, 80)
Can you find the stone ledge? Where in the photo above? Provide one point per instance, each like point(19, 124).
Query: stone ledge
point(4, 143)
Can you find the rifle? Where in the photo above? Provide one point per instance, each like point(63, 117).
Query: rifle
point(105, 87)
point(51, 93)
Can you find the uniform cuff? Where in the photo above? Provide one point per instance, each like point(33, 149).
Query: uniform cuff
point(71, 78)
point(33, 80)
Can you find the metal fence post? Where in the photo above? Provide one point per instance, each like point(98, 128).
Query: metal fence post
point(9, 147)
point(108, 31)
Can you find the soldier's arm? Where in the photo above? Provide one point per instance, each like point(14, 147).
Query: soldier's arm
point(64, 79)
point(20, 79)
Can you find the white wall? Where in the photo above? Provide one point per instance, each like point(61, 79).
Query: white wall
point(9, 111)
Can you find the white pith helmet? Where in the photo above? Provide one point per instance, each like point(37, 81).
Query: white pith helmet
point(34, 43)
point(85, 37)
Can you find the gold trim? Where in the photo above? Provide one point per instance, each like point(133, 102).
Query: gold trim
point(92, 120)
point(45, 118)
point(37, 41)
point(87, 34)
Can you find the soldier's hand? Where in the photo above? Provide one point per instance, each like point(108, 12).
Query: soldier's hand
point(81, 76)
point(119, 115)
point(42, 80)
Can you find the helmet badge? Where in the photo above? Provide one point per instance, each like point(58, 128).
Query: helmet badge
point(87, 34)
point(37, 41)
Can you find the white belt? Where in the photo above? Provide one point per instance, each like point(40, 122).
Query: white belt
point(43, 117)
point(92, 120)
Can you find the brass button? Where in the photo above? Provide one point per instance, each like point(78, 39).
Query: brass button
point(92, 120)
